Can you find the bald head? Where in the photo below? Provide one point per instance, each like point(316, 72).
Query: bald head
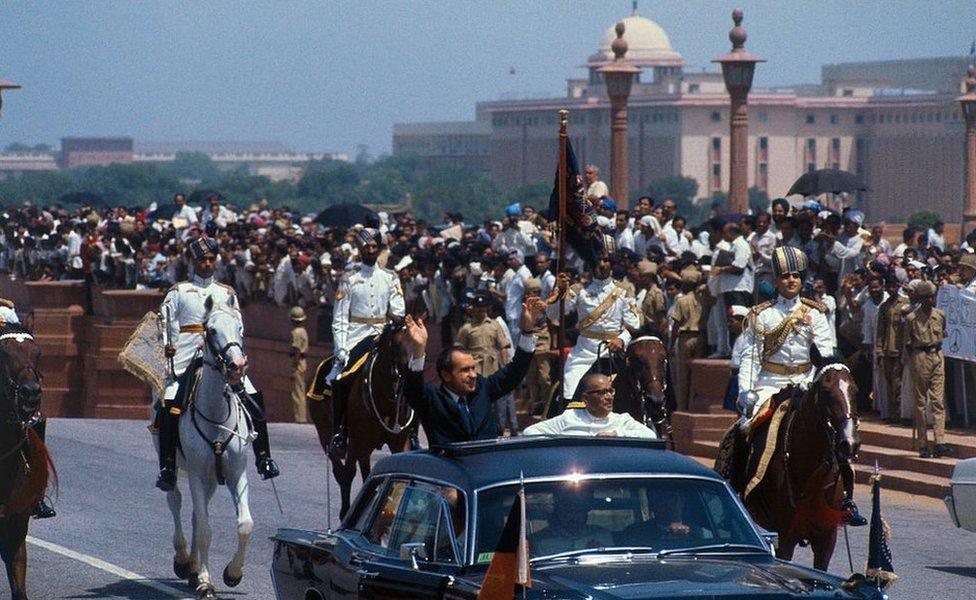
point(597, 393)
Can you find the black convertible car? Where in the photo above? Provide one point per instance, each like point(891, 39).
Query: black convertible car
point(606, 518)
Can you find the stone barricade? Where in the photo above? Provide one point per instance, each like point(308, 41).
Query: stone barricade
point(81, 329)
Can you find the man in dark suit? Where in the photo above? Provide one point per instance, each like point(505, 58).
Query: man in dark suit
point(460, 410)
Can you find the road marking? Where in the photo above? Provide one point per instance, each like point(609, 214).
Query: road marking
point(109, 568)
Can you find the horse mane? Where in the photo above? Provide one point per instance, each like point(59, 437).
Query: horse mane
point(647, 329)
point(42, 469)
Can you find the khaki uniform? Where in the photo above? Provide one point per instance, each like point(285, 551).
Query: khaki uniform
point(628, 287)
point(687, 317)
point(652, 306)
point(483, 341)
point(888, 345)
point(539, 377)
point(299, 348)
point(924, 332)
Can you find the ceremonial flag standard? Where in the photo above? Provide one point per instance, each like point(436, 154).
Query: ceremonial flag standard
point(580, 219)
point(879, 554)
point(510, 564)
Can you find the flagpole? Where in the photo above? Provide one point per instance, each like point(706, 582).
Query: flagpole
point(561, 259)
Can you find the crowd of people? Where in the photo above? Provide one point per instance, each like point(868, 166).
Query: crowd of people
point(453, 270)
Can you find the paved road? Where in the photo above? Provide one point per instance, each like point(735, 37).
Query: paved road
point(112, 535)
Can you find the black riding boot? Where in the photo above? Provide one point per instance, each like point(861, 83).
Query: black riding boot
point(169, 429)
point(852, 516)
point(43, 510)
point(338, 445)
point(267, 467)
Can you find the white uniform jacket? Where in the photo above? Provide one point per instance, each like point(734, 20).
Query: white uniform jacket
point(618, 313)
point(790, 363)
point(365, 299)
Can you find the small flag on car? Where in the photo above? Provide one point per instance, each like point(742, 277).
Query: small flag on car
point(509, 566)
point(879, 569)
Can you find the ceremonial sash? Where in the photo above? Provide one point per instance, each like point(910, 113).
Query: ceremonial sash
point(601, 309)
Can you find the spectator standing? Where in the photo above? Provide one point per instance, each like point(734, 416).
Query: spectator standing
point(596, 190)
point(299, 367)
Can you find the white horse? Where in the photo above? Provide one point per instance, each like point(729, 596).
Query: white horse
point(214, 434)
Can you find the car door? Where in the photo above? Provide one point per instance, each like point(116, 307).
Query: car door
point(420, 552)
point(354, 540)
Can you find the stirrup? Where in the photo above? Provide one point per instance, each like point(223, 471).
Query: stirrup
point(852, 516)
point(267, 468)
point(167, 479)
point(43, 510)
point(338, 446)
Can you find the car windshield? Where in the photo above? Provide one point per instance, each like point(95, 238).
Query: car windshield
point(649, 513)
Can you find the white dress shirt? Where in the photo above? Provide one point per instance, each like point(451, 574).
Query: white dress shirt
point(579, 421)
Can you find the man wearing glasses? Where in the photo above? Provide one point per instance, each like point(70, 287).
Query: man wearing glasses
point(778, 350)
point(596, 419)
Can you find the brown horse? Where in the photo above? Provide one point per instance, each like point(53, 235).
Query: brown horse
point(376, 412)
point(25, 464)
point(800, 495)
point(640, 383)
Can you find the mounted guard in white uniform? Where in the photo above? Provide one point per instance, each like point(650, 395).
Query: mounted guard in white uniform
point(606, 316)
point(368, 298)
point(182, 312)
point(784, 343)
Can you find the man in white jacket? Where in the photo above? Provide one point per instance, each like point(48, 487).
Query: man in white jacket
point(597, 419)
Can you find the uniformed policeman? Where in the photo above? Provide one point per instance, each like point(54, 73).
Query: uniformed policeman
point(777, 351)
point(925, 328)
point(539, 379)
point(8, 315)
point(483, 337)
point(606, 316)
point(686, 336)
point(888, 346)
point(183, 311)
point(650, 298)
point(365, 301)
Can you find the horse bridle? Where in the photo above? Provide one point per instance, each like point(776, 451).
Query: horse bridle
point(12, 387)
point(220, 354)
point(11, 390)
point(848, 416)
point(661, 419)
point(397, 377)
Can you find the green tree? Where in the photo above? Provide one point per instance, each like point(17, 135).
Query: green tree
point(923, 219)
point(458, 190)
point(331, 181)
point(535, 194)
point(192, 165)
point(17, 147)
point(758, 200)
point(678, 188)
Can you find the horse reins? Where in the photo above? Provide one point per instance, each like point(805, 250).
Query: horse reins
point(370, 401)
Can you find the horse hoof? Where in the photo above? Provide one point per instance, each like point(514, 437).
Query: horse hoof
point(231, 581)
point(182, 570)
point(205, 591)
point(193, 579)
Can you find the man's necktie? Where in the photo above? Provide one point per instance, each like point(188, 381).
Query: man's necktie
point(465, 413)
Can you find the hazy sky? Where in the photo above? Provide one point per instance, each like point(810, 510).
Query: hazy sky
point(332, 75)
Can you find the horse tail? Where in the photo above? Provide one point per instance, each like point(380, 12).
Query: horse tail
point(41, 472)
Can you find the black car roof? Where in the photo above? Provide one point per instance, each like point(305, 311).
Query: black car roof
point(472, 465)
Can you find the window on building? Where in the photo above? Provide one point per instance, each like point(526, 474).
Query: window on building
point(859, 119)
point(762, 116)
point(810, 154)
point(834, 119)
point(810, 119)
point(716, 116)
point(847, 93)
point(762, 177)
point(694, 88)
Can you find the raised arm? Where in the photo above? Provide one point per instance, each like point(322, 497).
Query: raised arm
point(511, 375)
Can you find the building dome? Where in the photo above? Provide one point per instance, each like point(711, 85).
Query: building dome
point(647, 44)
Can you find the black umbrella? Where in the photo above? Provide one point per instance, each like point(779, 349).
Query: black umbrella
point(83, 198)
point(165, 212)
point(347, 215)
point(824, 181)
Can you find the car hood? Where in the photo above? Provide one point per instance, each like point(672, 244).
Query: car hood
point(686, 577)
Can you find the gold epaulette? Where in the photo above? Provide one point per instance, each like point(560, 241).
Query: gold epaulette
point(815, 304)
point(229, 288)
point(755, 310)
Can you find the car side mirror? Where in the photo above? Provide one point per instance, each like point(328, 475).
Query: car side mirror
point(771, 538)
point(413, 551)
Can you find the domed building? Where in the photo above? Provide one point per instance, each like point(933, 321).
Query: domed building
point(648, 47)
point(895, 123)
